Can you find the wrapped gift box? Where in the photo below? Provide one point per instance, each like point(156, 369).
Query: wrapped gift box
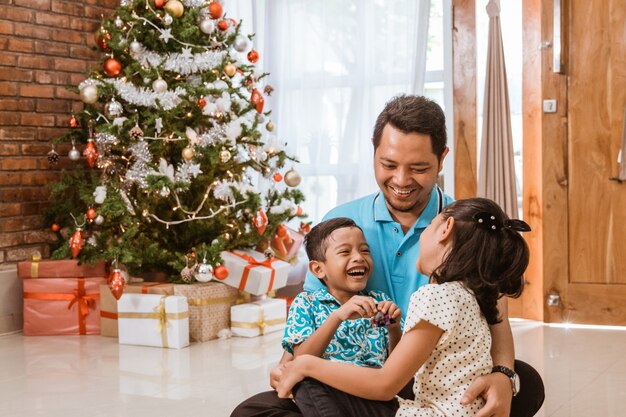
point(258, 318)
point(153, 320)
point(108, 303)
point(252, 272)
point(61, 297)
point(287, 244)
point(209, 308)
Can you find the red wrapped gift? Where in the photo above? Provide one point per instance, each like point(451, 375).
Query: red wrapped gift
point(286, 243)
point(61, 297)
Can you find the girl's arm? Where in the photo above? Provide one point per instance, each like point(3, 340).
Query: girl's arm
point(374, 384)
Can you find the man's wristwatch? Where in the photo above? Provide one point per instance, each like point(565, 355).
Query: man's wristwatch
point(512, 376)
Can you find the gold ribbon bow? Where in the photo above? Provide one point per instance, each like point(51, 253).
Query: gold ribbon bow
point(260, 324)
point(34, 265)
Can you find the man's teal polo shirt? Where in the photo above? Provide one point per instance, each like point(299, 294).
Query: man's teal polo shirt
point(394, 253)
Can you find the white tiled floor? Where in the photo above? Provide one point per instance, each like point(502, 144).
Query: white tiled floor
point(584, 372)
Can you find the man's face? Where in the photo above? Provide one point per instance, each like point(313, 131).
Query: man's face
point(406, 169)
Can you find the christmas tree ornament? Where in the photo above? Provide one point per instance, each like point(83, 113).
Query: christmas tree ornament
point(118, 22)
point(207, 26)
point(55, 227)
point(91, 213)
point(53, 157)
point(187, 274)
point(257, 100)
point(91, 153)
point(77, 242)
point(222, 25)
point(187, 153)
point(136, 132)
point(299, 211)
point(263, 156)
point(74, 154)
point(230, 70)
point(175, 8)
point(240, 43)
point(112, 67)
point(220, 272)
point(292, 178)
point(253, 56)
point(215, 10)
point(116, 283)
point(159, 4)
point(168, 20)
point(277, 177)
point(232, 21)
point(159, 85)
point(73, 122)
point(201, 102)
point(259, 221)
point(224, 155)
point(113, 108)
point(99, 220)
point(270, 126)
point(135, 47)
point(204, 272)
point(268, 89)
point(101, 39)
point(89, 94)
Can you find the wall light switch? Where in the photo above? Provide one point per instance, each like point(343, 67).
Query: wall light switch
point(549, 106)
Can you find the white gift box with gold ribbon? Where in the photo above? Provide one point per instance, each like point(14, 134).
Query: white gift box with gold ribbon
point(258, 318)
point(252, 272)
point(153, 320)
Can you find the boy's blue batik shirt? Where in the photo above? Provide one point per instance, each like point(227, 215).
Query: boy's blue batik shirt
point(355, 341)
point(394, 253)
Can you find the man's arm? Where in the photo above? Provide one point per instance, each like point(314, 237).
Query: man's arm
point(496, 388)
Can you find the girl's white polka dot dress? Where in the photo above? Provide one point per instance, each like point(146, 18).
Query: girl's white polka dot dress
point(461, 355)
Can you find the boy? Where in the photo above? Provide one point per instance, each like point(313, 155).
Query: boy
point(335, 322)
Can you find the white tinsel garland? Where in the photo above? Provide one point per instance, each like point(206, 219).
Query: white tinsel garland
point(182, 63)
point(143, 96)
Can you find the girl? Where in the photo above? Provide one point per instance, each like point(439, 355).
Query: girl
point(474, 255)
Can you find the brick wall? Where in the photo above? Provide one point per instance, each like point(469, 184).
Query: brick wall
point(44, 46)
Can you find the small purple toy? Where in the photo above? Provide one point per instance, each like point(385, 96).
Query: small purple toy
point(380, 319)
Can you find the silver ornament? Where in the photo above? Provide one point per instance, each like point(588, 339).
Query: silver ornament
point(99, 220)
point(207, 26)
point(168, 19)
point(204, 272)
point(113, 108)
point(165, 191)
point(119, 22)
point(159, 85)
point(225, 155)
point(292, 178)
point(89, 94)
point(135, 47)
point(240, 44)
point(74, 154)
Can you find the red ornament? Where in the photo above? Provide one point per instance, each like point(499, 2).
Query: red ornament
point(112, 67)
point(278, 177)
point(102, 37)
point(73, 122)
point(91, 153)
point(215, 10)
point(159, 4)
point(233, 21)
point(201, 102)
point(55, 227)
point(305, 227)
point(259, 221)
point(222, 25)
point(253, 56)
point(220, 272)
point(299, 211)
point(76, 242)
point(257, 100)
point(116, 283)
point(91, 213)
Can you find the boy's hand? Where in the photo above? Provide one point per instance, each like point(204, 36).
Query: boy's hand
point(356, 307)
point(392, 310)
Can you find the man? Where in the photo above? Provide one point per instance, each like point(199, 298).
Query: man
point(409, 149)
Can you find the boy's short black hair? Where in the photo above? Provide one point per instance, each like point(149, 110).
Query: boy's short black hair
point(315, 242)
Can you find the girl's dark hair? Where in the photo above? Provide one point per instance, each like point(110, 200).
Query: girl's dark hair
point(489, 260)
point(315, 242)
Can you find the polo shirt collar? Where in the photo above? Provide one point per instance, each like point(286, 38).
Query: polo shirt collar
point(381, 212)
point(323, 295)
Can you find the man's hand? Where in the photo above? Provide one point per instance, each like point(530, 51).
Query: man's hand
point(496, 390)
point(292, 373)
point(277, 371)
point(356, 307)
point(392, 310)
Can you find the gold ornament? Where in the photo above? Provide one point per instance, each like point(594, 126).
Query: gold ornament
point(270, 126)
point(230, 69)
point(225, 155)
point(292, 178)
point(175, 8)
point(89, 94)
point(187, 153)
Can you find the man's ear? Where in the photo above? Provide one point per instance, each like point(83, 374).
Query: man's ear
point(317, 269)
point(443, 157)
point(446, 230)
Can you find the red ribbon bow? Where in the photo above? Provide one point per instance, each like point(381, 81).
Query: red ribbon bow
point(253, 263)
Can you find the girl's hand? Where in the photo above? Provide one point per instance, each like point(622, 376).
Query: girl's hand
point(356, 307)
point(392, 310)
point(292, 373)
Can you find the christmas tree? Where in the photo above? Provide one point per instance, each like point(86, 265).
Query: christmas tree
point(181, 159)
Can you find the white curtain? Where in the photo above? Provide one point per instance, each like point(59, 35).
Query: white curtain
point(333, 65)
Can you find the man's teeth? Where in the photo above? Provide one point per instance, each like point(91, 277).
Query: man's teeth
point(401, 192)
